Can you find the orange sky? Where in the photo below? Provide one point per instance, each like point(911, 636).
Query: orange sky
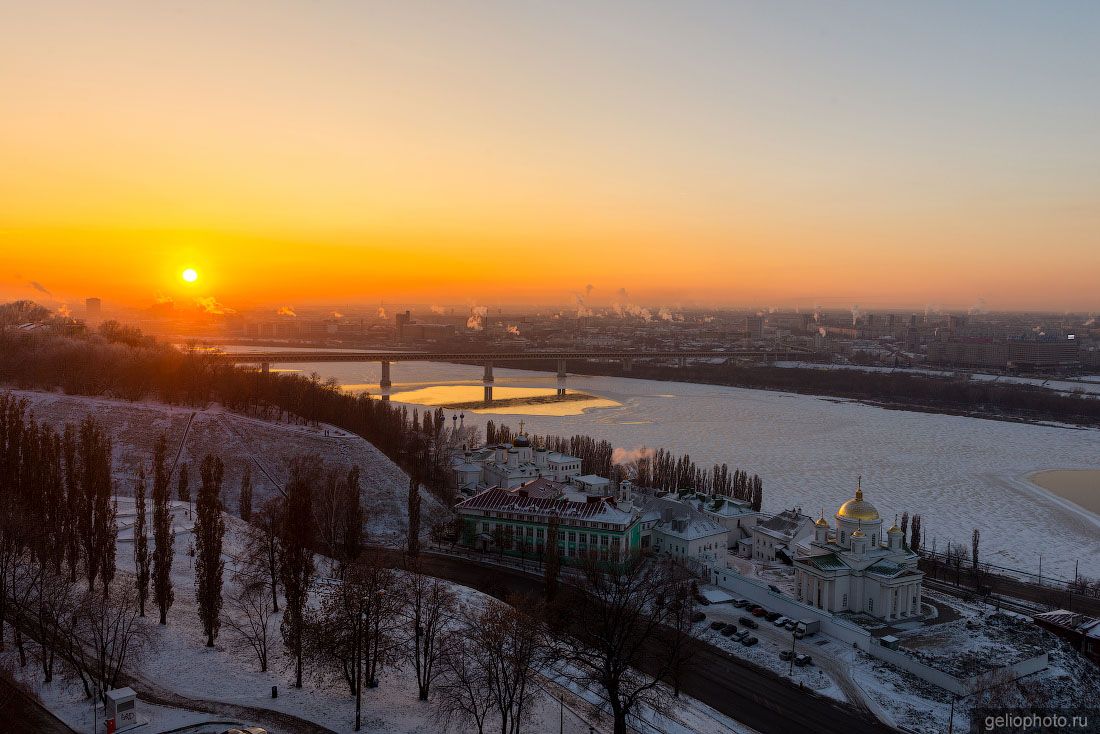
point(343, 152)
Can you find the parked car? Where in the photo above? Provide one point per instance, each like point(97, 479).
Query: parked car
point(803, 660)
point(785, 655)
point(246, 730)
point(749, 641)
point(779, 621)
point(791, 625)
point(749, 622)
point(798, 633)
point(741, 603)
point(772, 616)
point(729, 630)
point(717, 626)
point(698, 617)
point(740, 635)
point(759, 611)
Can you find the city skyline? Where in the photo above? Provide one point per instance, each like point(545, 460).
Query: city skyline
point(710, 155)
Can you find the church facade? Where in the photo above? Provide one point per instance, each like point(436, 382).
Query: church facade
point(857, 567)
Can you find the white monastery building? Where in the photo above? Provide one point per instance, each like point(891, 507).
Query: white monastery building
point(856, 567)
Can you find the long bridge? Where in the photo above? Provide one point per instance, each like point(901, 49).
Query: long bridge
point(627, 357)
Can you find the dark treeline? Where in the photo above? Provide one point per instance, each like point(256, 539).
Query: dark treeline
point(658, 469)
point(900, 389)
point(58, 534)
point(120, 362)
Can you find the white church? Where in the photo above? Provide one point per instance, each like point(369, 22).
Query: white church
point(856, 567)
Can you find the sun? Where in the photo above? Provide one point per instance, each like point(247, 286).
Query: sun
point(190, 275)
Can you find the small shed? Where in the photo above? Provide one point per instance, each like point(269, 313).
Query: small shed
point(121, 705)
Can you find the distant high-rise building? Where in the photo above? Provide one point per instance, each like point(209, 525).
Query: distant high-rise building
point(93, 308)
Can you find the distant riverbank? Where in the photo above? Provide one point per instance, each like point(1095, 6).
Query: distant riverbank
point(1079, 486)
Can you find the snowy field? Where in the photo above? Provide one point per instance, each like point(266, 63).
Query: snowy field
point(238, 440)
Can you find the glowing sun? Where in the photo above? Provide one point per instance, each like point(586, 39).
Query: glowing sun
point(190, 275)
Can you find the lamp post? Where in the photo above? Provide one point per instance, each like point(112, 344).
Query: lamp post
point(793, 638)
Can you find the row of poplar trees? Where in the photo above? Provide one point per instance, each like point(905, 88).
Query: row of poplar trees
point(660, 469)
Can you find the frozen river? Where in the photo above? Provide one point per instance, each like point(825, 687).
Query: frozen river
point(958, 473)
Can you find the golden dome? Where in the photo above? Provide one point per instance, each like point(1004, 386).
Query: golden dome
point(858, 509)
point(821, 521)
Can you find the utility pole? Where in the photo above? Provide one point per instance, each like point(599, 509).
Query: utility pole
point(951, 721)
point(793, 638)
point(561, 713)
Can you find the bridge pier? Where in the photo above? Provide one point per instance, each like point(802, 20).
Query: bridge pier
point(385, 383)
point(265, 367)
point(683, 361)
point(628, 364)
point(488, 372)
point(561, 369)
point(488, 397)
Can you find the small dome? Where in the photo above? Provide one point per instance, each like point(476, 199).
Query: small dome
point(858, 509)
point(857, 533)
point(521, 441)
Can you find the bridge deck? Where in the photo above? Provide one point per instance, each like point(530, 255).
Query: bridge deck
point(320, 356)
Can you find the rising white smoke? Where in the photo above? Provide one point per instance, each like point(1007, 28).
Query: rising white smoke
point(513, 330)
point(477, 318)
point(286, 311)
point(627, 456)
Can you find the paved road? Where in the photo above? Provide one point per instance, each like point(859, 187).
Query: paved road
point(20, 713)
point(745, 692)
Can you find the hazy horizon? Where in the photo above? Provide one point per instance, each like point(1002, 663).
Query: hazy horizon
point(794, 154)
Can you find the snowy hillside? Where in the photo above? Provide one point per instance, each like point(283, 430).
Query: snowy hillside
point(238, 440)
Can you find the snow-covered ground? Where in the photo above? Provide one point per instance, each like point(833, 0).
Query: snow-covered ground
point(178, 666)
point(1070, 681)
point(239, 440)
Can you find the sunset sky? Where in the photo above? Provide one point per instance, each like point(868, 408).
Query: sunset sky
point(779, 153)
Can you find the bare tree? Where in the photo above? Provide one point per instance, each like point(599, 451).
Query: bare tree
point(250, 616)
point(164, 536)
point(627, 637)
point(106, 636)
point(414, 516)
point(552, 569)
point(141, 544)
point(209, 536)
point(429, 607)
point(244, 499)
point(183, 488)
point(488, 668)
point(296, 566)
point(262, 548)
point(463, 701)
point(513, 648)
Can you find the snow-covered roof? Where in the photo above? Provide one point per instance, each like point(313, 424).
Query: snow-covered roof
point(1071, 620)
point(599, 509)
